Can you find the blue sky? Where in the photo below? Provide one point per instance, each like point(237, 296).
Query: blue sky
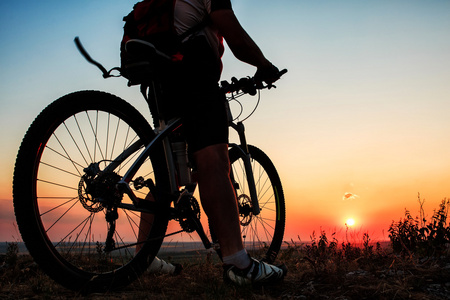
point(363, 110)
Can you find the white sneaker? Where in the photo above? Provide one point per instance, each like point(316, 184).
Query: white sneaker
point(159, 266)
point(257, 273)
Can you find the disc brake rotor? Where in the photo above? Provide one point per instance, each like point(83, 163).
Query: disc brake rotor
point(91, 188)
point(245, 209)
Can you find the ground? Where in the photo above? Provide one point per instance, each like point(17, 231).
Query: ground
point(380, 274)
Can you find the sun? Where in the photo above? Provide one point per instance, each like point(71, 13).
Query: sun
point(350, 222)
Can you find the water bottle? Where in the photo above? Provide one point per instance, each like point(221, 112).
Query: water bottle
point(182, 163)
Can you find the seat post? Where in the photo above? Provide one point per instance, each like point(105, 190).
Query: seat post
point(154, 98)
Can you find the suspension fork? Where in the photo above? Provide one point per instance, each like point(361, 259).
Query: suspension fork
point(246, 157)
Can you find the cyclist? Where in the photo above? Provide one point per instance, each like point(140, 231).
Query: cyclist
point(195, 96)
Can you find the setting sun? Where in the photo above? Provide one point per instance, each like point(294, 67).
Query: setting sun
point(350, 222)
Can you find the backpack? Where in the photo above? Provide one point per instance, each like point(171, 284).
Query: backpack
point(153, 22)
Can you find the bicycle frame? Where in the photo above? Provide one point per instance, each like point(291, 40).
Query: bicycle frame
point(84, 166)
point(163, 132)
point(162, 137)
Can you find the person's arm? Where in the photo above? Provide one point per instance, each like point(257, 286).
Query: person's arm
point(240, 43)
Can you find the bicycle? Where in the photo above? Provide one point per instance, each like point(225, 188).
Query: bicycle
point(89, 160)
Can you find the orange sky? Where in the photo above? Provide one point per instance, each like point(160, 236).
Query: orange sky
point(363, 109)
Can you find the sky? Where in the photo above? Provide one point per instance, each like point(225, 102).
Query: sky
point(357, 127)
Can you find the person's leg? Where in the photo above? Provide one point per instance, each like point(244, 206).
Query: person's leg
point(220, 204)
point(218, 197)
point(158, 265)
point(145, 224)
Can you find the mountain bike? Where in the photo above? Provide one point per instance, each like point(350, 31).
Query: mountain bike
point(91, 171)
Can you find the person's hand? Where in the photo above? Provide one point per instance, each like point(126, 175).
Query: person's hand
point(268, 73)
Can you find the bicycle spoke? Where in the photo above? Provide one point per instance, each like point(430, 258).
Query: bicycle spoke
point(74, 142)
point(83, 222)
point(60, 169)
point(107, 137)
point(264, 224)
point(86, 236)
point(67, 158)
point(57, 184)
point(56, 207)
point(133, 223)
point(67, 155)
point(118, 238)
point(94, 132)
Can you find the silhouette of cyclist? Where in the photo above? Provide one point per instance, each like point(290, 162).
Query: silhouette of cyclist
point(197, 99)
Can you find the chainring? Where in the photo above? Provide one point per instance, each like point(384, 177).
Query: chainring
point(188, 208)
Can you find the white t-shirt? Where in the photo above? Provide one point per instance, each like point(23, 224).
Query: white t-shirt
point(189, 13)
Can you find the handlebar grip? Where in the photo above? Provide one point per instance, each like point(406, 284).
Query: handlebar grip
point(282, 72)
point(248, 85)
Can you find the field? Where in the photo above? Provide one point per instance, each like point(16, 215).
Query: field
point(317, 270)
point(414, 264)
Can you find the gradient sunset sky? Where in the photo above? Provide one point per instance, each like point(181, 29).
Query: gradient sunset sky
point(358, 127)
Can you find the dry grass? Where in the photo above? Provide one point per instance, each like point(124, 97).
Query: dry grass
point(330, 272)
point(415, 264)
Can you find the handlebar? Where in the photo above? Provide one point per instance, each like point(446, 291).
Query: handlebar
point(106, 74)
point(248, 85)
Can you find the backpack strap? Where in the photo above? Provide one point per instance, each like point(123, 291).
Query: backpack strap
point(196, 28)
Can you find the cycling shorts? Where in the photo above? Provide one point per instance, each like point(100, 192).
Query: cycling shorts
point(194, 96)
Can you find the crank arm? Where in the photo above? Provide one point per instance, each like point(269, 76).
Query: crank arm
point(201, 233)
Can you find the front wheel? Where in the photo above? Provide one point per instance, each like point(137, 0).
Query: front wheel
point(263, 233)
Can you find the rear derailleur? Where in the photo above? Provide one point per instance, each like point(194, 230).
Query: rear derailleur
point(97, 190)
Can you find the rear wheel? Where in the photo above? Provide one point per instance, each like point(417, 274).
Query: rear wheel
point(65, 200)
point(263, 233)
